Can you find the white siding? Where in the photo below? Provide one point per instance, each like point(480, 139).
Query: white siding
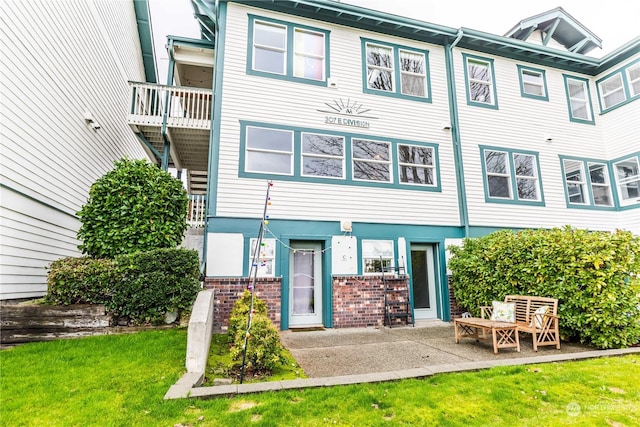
point(621, 126)
point(59, 60)
point(248, 97)
point(523, 123)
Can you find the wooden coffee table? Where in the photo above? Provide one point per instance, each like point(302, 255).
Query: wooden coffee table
point(504, 334)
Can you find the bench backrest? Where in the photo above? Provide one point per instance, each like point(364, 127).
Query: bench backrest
point(527, 305)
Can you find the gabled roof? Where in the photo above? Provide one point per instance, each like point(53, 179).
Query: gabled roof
point(558, 25)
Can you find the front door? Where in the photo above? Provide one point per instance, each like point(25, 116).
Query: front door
point(305, 284)
point(423, 282)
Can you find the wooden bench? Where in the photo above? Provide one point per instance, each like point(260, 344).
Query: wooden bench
point(542, 327)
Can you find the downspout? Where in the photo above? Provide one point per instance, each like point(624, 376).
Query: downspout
point(165, 138)
point(455, 134)
point(208, 207)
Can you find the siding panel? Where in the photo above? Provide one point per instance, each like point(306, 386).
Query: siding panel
point(257, 98)
point(59, 60)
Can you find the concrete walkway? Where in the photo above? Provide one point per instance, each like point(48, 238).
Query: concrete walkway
point(350, 356)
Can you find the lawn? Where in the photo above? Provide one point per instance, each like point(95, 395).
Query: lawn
point(120, 380)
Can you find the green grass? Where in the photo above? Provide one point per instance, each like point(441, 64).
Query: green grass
point(120, 380)
point(219, 364)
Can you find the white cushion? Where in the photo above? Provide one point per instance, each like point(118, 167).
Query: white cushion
point(504, 311)
point(538, 315)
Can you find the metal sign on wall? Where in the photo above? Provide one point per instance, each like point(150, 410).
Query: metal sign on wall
point(347, 113)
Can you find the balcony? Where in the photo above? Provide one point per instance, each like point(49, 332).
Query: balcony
point(187, 112)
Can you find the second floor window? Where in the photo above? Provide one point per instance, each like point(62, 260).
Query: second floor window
point(587, 183)
point(371, 160)
point(269, 151)
point(511, 176)
point(628, 179)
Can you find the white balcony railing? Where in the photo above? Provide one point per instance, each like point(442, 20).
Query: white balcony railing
point(186, 107)
point(196, 213)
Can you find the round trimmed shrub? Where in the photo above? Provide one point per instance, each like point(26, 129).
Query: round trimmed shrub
point(135, 207)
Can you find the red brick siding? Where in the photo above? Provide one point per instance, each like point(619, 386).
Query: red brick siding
point(358, 301)
point(228, 291)
point(456, 311)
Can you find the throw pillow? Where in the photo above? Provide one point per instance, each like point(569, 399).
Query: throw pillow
point(538, 315)
point(504, 311)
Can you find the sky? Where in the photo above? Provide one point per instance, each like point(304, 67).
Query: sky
point(615, 21)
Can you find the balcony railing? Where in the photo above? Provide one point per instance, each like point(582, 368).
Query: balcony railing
point(185, 107)
point(196, 213)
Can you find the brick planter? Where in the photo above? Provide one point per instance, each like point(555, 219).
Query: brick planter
point(228, 291)
point(358, 301)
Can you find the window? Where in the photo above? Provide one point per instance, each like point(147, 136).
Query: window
point(377, 255)
point(627, 174)
point(587, 189)
point(283, 50)
point(269, 48)
point(371, 160)
point(413, 71)
point(266, 257)
point(497, 170)
point(322, 155)
point(336, 157)
point(269, 151)
point(395, 71)
point(633, 78)
point(612, 91)
point(526, 176)
point(379, 68)
point(308, 56)
point(511, 176)
point(600, 186)
point(480, 82)
point(416, 164)
point(578, 99)
point(533, 83)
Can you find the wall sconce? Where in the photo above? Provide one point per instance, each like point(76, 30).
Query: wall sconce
point(548, 138)
point(90, 121)
point(445, 125)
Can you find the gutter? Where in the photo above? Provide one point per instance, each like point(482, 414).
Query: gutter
point(455, 134)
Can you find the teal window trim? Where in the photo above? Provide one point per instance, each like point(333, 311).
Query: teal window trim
point(590, 202)
point(626, 85)
point(514, 199)
point(348, 159)
point(585, 82)
point(397, 86)
point(489, 63)
point(616, 181)
point(289, 51)
point(541, 72)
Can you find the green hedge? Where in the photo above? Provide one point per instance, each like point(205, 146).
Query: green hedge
point(141, 287)
point(594, 275)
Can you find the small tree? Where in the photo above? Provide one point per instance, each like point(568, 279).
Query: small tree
point(134, 207)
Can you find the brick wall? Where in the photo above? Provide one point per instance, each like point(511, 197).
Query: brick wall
point(227, 291)
point(358, 301)
point(456, 311)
